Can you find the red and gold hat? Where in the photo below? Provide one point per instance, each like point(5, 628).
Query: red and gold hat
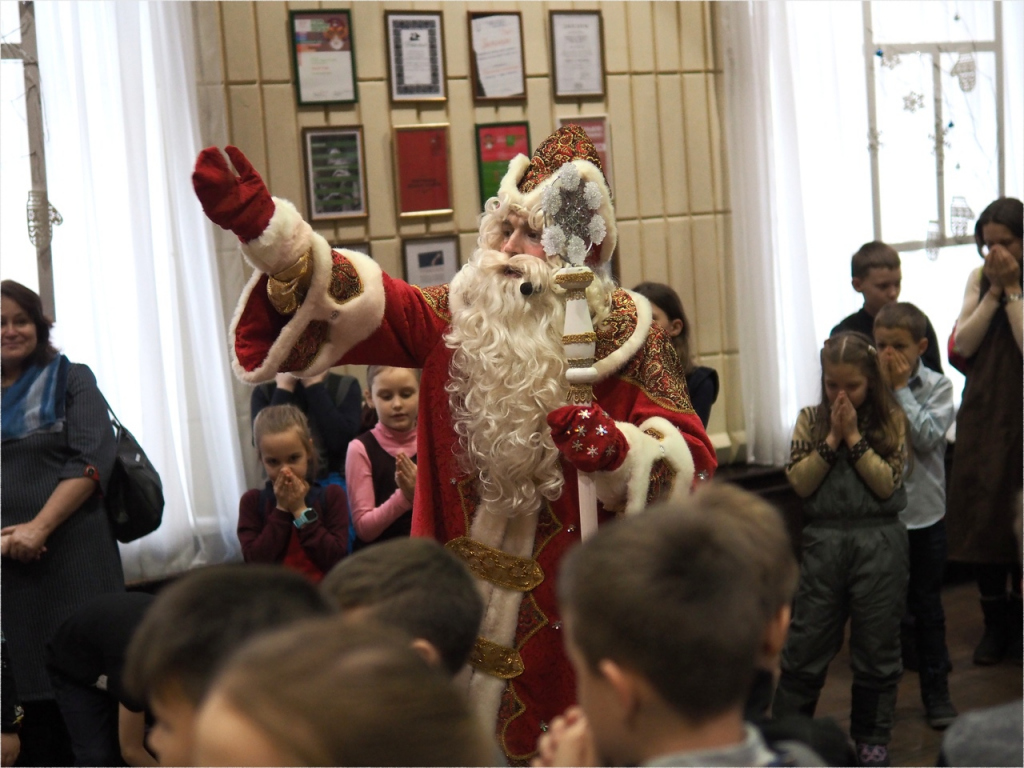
point(526, 178)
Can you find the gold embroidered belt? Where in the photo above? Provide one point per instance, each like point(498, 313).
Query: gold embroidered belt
point(497, 660)
point(516, 573)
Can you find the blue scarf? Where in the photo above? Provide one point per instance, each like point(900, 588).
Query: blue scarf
point(35, 402)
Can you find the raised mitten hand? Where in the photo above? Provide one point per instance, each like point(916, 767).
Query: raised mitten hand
point(239, 203)
point(588, 437)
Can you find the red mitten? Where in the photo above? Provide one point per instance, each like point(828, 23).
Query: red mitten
point(239, 203)
point(588, 438)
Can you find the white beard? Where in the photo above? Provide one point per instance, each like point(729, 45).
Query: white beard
point(507, 373)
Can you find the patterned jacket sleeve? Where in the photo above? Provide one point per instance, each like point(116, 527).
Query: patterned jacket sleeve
point(807, 465)
point(884, 474)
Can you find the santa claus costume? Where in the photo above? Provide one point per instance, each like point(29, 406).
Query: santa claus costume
point(498, 449)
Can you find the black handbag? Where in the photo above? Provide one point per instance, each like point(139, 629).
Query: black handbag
point(135, 495)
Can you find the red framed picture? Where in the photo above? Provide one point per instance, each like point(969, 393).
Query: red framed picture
point(422, 171)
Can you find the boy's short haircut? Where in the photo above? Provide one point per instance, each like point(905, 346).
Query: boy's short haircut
point(670, 596)
point(759, 531)
point(416, 585)
point(903, 315)
point(871, 255)
point(330, 692)
point(197, 622)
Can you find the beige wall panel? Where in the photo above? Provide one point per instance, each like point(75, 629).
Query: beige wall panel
point(620, 114)
point(649, 158)
point(412, 227)
point(275, 47)
point(326, 229)
point(352, 231)
point(535, 38)
point(666, 36)
point(680, 265)
point(246, 121)
point(673, 144)
point(655, 254)
point(309, 5)
point(709, 44)
point(641, 36)
point(368, 37)
point(698, 149)
point(708, 304)
point(717, 143)
point(440, 225)
point(388, 253)
point(206, 17)
point(456, 39)
point(239, 33)
point(616, 40)
point(467, 244)
point(284, 153)
point(630, 259)
point(559, 5)
point(379, 168)
point(691, 32)
point(510, 113)
point(723, 226)
point(538, 109)
point(462, 134)
point(315, 118)
point(348, 114)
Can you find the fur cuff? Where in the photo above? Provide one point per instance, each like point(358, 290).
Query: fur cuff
point(285, 239)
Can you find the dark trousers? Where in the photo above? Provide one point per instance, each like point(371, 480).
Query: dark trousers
point(91, 718)
point(924, 604)
point(44, 739)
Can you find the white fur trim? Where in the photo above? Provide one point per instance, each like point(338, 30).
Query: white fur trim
point(625, 489)
point(508, 188)
point(350, 322)
point(618, 359)
point(281, 244)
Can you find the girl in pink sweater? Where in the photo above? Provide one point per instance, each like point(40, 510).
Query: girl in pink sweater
point(380, 467)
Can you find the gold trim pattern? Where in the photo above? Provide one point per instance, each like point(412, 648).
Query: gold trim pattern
point(580, 338)
point(580, 362)
point(287, 288)
point(656, 434)
point(575, 277)
point(579, 394)
point(493, 565)
point(576, 295)
point(496, 660)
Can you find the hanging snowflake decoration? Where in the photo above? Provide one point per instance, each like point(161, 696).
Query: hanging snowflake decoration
point(913, 101)
point(960, 216)
point(933, 241)
point(874, 139)
point(890, 60)
point(570, 208)
point(966, 71)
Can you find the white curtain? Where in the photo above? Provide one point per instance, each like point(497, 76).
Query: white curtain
point(777, 344)
point(136, 281)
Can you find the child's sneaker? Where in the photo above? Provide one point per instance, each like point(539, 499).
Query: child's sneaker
point(873, 754)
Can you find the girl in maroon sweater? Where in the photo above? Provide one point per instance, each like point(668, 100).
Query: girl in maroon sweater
point(292, 520)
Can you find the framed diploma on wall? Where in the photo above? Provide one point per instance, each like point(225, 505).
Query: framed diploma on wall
point(323, 56)
point(496, 56)
point(431, 261)
point(496, 144)
point(422, 171)
point(415, 55)
point(335, 172)
point(577, 53)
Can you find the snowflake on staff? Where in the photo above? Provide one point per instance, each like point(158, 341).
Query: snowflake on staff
point(570, 208)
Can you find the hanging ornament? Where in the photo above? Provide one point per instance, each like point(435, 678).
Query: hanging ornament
point(966, 70)
point(890, 60)
point(42, 217)
point(933, 241)
point(935, 141)
point(960, 216)
point(950, 125)
point(913, 101)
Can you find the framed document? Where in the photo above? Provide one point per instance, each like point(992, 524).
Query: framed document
point(422, 173)
point(431, 261)
point(496, 144)
point(361, 247)
point(335, 172)
point(415, 55)
point(597, 128)
point(577, 53)
point(496, 56)
point(325, 68)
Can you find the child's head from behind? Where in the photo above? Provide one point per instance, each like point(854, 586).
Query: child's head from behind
point(903, 328)
point(192, 628)
point(283, 442)
point(667, 310)
point(395, 395)
point(327, 692)
point(415, 585)
point(876, 272)
point(664, 621)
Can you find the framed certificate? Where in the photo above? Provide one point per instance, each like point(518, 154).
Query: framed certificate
point(597, 128)
point(335, 172)
point(431, 261)
point(496, 144)
point(422, 172)
point(496, 56)
point(324, 59)
point(577, 53)
point(415, 55)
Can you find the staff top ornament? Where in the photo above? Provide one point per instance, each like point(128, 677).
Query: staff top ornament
point(570, 207)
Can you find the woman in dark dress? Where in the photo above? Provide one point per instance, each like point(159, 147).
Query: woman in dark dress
point(57, 547)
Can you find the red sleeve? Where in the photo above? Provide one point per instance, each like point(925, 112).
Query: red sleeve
point(325, 541)
point(264, 537)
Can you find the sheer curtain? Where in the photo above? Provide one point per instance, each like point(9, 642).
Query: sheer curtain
point(137, 287)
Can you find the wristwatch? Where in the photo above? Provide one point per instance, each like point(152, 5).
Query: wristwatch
point(308, 515)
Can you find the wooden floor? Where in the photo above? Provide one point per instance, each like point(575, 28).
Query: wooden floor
point(971, 687)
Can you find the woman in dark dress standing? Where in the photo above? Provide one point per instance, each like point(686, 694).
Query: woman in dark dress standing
point(57, 547)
